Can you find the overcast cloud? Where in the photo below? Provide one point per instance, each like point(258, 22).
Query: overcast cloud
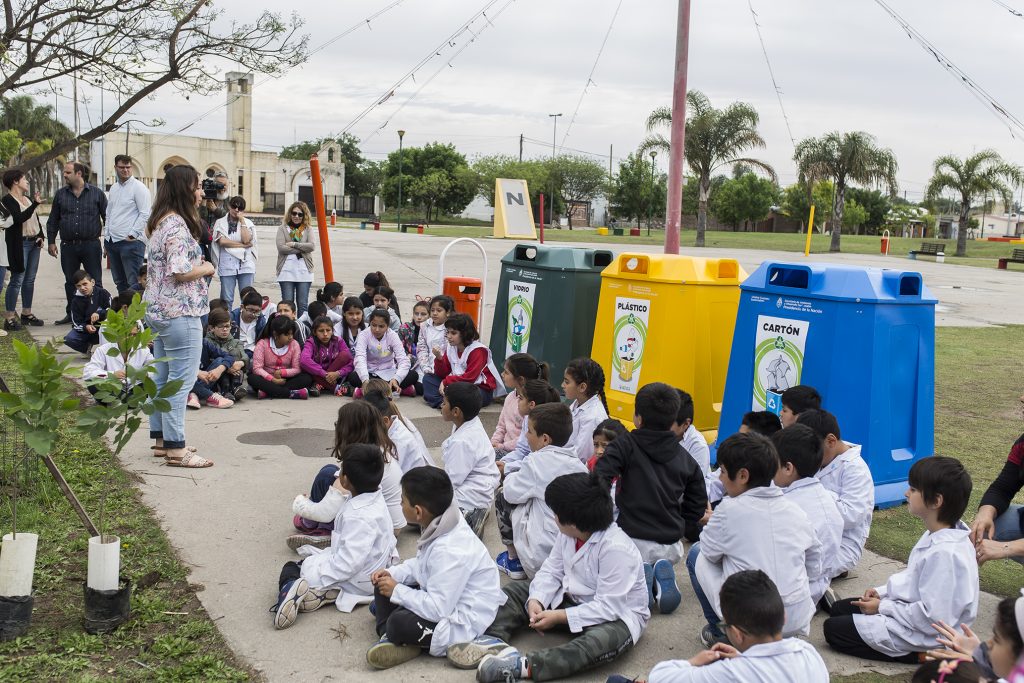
point(842, 65)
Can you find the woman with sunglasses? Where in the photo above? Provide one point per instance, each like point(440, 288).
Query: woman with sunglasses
point(294, 256)
point(234, 250)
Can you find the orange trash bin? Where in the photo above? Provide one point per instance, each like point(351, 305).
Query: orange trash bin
point(466, 293)
point(885, 245)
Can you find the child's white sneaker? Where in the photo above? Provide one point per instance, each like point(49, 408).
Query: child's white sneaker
point(218, 401)
point(468, 655)
point(192, 402)
point(293, 593)
point(386, 654)
point(316, 598)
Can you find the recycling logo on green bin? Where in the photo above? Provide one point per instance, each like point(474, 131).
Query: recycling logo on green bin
point(778, 357)
point(519, 319)
point(629, 340)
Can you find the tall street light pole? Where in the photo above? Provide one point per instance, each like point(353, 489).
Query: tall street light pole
point(674, 207)
point(401, 134)
point(650, 204)
point(554, 134)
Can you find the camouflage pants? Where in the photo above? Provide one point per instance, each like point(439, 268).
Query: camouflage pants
point(503, 513)
point(596, 645)
point(476, 519)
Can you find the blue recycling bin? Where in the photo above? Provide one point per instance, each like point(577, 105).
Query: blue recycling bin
point(863, 337)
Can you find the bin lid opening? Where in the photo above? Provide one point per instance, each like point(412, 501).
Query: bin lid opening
point(468, 289)
point(789, 276)
point(602, 259)
point(526, 253)
point(910, 285)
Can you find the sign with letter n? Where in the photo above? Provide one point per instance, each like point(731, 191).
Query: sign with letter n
point(513, 214)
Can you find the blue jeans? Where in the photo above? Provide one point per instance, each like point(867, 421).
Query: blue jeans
point(24, 283)
point(297, 292)
point(228, 283)
point(126, 256)
point(705, 605)
point(180, 342)
point(432, 392)
point(1008, 527)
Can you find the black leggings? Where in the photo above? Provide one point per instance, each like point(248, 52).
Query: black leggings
point(402, 626)
point(841, 633)
point(299, 381)
point(410, 380)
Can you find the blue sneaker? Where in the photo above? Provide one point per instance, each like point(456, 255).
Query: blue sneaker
point(514, 568)
point(288, 600)
point(468, 655)
point(649, 580)
point(504, 667)
point(669, 596)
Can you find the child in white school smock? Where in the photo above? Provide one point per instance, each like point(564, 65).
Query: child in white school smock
point(583, 384)
point(468, 456)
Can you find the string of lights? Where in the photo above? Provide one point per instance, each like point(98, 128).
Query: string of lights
point(590, 76)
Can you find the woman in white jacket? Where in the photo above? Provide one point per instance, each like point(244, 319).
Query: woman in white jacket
point(234, 250)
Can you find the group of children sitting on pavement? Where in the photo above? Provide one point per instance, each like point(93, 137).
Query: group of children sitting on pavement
point(593, 517)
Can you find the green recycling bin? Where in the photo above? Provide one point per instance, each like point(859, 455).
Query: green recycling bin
point(546, 304)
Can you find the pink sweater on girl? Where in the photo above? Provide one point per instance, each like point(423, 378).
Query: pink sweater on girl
point(510, 424)
point(265, 361)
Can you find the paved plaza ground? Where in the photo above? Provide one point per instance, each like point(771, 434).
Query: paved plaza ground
point(229, 522)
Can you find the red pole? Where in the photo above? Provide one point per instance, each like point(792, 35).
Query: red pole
point(675, 161)
point(321, 217)
point(542, 218)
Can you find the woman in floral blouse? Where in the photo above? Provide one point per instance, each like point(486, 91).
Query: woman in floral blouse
point(177, 298)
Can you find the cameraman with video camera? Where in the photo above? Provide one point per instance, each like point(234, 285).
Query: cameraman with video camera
point(213, 208)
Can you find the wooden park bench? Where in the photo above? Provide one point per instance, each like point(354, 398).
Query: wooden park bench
point(936, 249)
point(1017, 257)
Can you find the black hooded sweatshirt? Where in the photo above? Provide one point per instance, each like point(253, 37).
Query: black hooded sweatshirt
point(661, 493)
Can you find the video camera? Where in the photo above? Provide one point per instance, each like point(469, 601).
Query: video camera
point(211, 186)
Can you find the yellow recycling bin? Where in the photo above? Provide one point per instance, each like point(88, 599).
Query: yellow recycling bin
point(602, 231)
point(667, 318)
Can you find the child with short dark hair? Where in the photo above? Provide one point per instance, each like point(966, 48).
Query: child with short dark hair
point(140, 279)
point(692, 441)
point(894, 622)
point(448, 593)
point(796, 400)
point(591, 584)
point(326, 359)
point(799, 450)
point(288, 310)
point(249, 320)
point(412, 450)
point(525, 523)
point(88, 309)
point(583, 384)
point(382, 297)
point(754, 526)
point(314, 310)
point(757, 652)
point(844, 473)
point(660, 493)
point(464, 359)
point(760, 422)
point(467, 455)
point(101, 365)
point(362, 542)
point(232, 382)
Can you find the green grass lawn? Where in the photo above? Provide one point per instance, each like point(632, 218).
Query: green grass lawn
point(169, 636)
point(981, 254)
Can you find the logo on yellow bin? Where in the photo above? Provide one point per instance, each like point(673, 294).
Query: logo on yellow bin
point(520, 322)
point(630, 335)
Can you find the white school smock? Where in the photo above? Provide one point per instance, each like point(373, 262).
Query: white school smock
point(391, 489)
point(412, 450)
point(514, 459)
point(469, 461)
point(605, 577)
point(102, 365)
point(458, 363)
point(760, 529)
point(697, 446)
point(385, 357)
point(394, 322)
point(940, 583)
point(431, 336)
point(585, 418)
point(820, 508)
point(849, 479)
point(534, 528)
point(459, 587)
point(361, 543)
point(791, 660)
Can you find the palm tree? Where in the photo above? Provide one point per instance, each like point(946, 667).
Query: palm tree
point(714, 138)
point(973, 177)
point(38, 128)
point(845, 157)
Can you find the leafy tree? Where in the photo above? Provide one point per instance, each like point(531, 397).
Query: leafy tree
point(535, 172)
point(38, 127)
point(691, 192)
point(577, 178)
point(854, 215)
point(972, 178)
point(301, 151)
point(796, 203)
point(418, 163)
point(845, 157)
point(874, 202)
point(747, 198)
point(632, 195)
point(428, 190)
point(135, 48)
point(10, 145)
point(714, 138)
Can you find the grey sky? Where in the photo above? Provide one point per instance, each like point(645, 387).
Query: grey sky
point(841, 65)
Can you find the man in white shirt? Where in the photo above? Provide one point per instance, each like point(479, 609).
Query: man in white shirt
point(128, 208)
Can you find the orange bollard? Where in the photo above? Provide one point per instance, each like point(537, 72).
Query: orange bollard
point(334, 217)
point(321, 217)
point(419, 229)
